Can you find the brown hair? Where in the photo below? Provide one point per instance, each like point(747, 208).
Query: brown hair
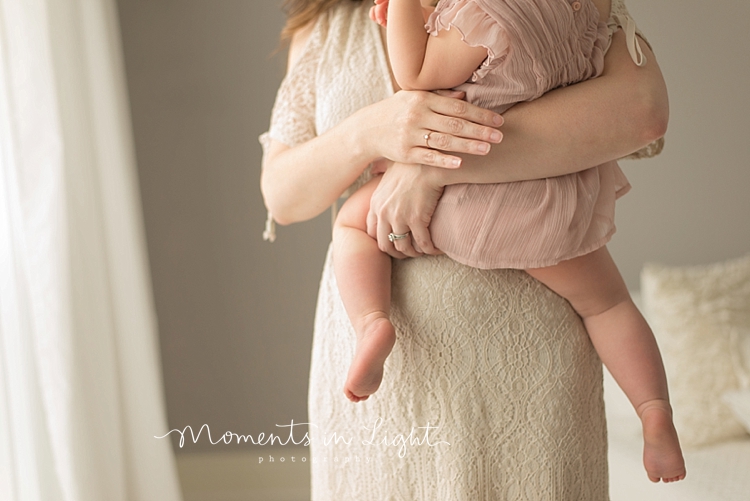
point(301, 12)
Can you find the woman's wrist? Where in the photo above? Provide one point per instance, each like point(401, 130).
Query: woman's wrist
point(363, 135)
point(438, 178)
point(358, 138)
point(371, 133)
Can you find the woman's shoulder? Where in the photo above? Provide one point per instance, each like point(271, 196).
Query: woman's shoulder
point(299, 40)
point(339, 17)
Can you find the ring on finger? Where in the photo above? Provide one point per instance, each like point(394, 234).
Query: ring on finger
point(427, 138)
point(392, 237)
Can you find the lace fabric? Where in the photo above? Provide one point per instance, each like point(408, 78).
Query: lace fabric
point(500, 366)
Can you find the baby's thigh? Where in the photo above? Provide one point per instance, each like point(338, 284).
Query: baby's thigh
point(591, 283)
point(353, 214)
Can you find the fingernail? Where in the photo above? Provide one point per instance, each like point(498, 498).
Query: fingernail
point(496, 136)
point(498, 120)
point(456, 162)
point(483, 147)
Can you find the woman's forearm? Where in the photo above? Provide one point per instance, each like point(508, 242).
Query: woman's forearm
point(576, 127)
point(300, 183)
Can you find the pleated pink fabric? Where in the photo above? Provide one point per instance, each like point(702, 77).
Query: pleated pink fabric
point(533, 46)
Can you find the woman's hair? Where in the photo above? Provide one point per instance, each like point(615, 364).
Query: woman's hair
point(301, 12)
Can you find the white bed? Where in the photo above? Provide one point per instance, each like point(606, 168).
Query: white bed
point(718, 472)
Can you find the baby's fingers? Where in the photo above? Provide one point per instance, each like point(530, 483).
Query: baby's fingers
point(379, 12)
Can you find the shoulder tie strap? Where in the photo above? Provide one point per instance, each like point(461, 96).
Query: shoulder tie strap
point(269, 234)
point(627, 24)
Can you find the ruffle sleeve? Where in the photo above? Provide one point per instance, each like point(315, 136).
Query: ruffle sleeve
point(293, 115)
point(478, 28)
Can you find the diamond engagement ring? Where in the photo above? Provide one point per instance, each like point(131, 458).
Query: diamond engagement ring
point(427, 138)
point(392, 237)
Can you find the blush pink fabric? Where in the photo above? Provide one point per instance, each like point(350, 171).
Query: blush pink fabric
point(533, 46)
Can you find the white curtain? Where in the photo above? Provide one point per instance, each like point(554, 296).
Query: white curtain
point(80, 383)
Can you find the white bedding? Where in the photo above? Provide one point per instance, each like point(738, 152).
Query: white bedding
point(719, 472)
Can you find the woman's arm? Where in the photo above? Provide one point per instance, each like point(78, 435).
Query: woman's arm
point(424, 62)
point(300, 182)
point(576, 127)
point(564, 131)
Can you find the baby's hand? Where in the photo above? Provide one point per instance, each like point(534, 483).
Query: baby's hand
point(379, 12)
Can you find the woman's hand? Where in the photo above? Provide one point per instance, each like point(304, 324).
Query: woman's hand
point(404, 202)
point(416, 127)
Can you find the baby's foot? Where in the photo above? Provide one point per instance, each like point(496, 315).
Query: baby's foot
point(373, 347)
point(662, 456)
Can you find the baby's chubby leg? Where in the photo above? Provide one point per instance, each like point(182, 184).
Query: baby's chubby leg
point(624, 341)
point(594, 287)
point(363, 275)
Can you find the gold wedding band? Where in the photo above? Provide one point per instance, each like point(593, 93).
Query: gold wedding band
point(427, 139)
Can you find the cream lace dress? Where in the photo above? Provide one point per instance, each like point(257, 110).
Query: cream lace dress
point(493, 390)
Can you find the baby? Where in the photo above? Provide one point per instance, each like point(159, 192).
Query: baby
point(501, 52)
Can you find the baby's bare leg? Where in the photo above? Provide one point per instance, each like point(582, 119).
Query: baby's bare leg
point(624, 341)
point(363, 275)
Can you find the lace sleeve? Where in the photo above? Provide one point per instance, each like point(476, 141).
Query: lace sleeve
point(619, 18)
point(293, 114)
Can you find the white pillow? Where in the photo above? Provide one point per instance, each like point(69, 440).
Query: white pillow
point(696, 313)
point(740, 341)
point(739, 402)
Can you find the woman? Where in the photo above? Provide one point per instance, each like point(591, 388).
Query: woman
point(493, 391)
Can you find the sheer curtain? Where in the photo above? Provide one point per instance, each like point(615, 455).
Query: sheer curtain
point(80, 384)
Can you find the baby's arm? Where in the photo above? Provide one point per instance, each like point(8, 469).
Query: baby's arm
point(424, 62)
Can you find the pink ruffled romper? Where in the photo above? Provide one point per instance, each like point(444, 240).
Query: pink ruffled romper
point(533, 46)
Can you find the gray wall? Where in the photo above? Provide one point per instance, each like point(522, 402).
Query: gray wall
point(690, 205)
point(235, 313)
